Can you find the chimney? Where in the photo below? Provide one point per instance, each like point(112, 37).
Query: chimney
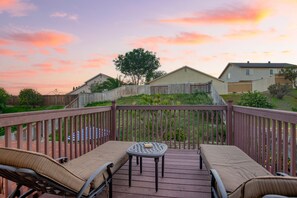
point(268, 61)
point(248, 61)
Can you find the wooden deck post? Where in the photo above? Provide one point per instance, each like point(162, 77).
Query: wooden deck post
point(229, 122)
point(113, 121)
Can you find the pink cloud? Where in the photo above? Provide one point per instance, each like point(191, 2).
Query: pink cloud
point(3, 42)
point(99, 60)
point(183, 38)
point(60, 50)
point(230, 14)
point(72, 17)
point(17, 74)
point(42, 38)
point(53, 67)
point(5, 52)
point(16, 7)
point(240, 34)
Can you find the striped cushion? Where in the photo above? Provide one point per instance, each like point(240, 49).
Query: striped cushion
point(260, 186)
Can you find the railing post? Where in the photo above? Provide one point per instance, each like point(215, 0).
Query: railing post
point(229, 122)
point(113, 121)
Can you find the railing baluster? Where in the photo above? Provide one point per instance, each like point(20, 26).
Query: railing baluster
point(76, 146)
point(66, 132)
point(184, 130)
point(19, 136)
point(71, 124)
point(279, 146)
point(285, 149)
point(60, 136)
point(38, 136)
point(293, 150)
point(46, 134)
point(53, 127)
point(202, 116)
point(193, 130)
point(268, 153)
point(29, 137)
point(273, 153)
point(179, 130)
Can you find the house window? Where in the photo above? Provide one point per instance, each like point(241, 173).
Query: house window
point(229, 76)
point(271, 71)
point(249, 72)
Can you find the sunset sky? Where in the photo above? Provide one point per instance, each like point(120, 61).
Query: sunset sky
point(59, 44)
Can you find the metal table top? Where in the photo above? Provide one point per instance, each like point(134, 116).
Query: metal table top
point(138, 149)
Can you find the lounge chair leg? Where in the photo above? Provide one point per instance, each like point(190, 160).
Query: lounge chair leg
point(16, 192)
point(200, 162)
point(110, 188)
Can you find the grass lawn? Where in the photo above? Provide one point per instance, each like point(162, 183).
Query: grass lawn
point(287, 103)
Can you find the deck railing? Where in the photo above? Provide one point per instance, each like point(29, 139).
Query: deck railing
point(182, 127)
point(268, 136)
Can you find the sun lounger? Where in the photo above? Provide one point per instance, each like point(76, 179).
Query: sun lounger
point(84, 176)
point(236, 175)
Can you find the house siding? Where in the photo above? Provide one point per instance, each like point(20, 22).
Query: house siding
point(239, 74)
point(187, 75)
point(86, 87)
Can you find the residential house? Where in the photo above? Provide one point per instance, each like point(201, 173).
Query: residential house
point(186, 75)
point(85, 88)
point(243, 77)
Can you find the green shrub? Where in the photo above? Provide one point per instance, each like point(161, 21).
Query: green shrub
point(4, 96)
point(180, 135)
point(278, 90)
point(30, 97)
point(254, 99)
point(294, 109)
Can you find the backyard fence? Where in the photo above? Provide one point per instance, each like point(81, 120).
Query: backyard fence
point(47, 100)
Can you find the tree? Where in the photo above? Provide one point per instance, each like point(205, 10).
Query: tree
point(30, 97)
point(109, 84)
point(155, 74)
point(4, 96)
point(137, 64)
point(290, 73)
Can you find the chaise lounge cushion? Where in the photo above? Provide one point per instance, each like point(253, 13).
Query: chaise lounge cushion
point(112, 151)
point(233, 165)
point(74, 173)
point(43, 165)
point(260, 186)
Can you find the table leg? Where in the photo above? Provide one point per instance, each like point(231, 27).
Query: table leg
point(156, 173)
point(140, 164)
point(163, 165)
point(130, 169)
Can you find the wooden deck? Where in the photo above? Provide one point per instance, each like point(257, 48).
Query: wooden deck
point(182, 177)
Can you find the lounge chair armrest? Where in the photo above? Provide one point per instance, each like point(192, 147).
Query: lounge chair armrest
point(107, 166)
point(215, 178)
point(62, 160)
point(281, 174)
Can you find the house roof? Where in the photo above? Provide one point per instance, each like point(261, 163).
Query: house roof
point(258, 65)
point(97, 76)
point(184, 68)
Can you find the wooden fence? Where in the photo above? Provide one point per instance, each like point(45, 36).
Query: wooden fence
point(47, 100)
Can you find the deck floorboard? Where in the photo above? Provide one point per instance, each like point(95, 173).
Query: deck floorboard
point(182, 178)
